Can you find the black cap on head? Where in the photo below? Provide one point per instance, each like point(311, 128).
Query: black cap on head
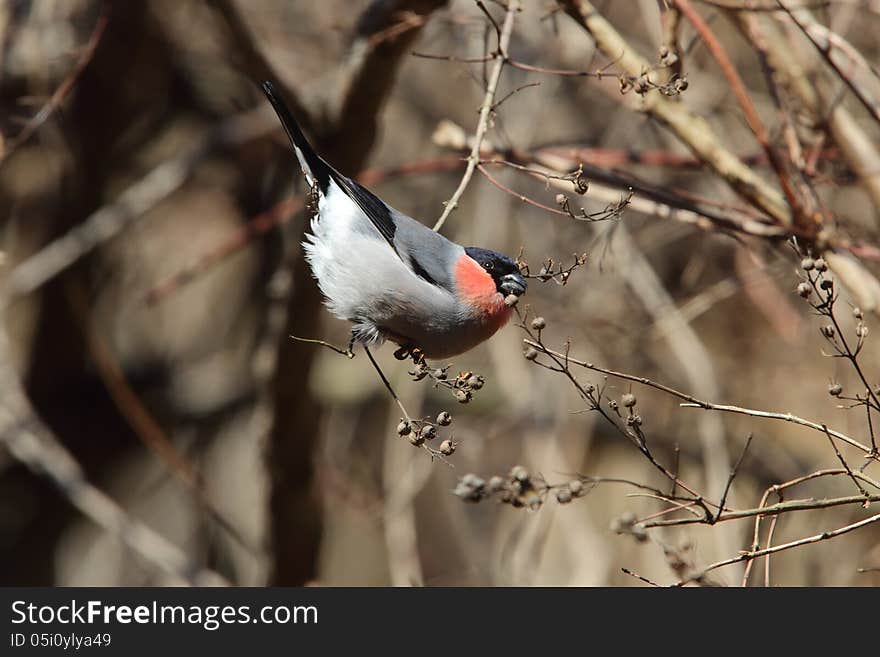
point(502, 269)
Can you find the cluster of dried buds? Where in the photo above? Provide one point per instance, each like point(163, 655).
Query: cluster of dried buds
point(519, 488)
point(421, 431)
point(628, 401)
point(643, 84)
point(463, 386)
point(628, 524)
point(818, 289)
point(552, 270)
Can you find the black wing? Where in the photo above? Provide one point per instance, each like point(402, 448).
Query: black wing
point(376, 210)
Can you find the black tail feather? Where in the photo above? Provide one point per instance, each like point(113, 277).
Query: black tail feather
point(319, 169)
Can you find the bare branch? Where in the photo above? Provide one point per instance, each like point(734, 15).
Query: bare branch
point(485, 111)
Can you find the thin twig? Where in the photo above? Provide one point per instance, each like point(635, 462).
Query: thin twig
point(60, 93)
point(485, 110)
point(130, 205)
point(824, 40)
point(693, 402)
point(770, 532)
point(344, 352)
point(754, 554)
point(745, 102)
point(31, 442)
point(689, 127)
point(845, 464)
point(732, 476)
point(639, 577)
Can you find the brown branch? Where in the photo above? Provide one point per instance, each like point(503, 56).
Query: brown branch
point(278, 215)
point(775, 509)
point(525, 199)
point(745, 102)
point(30, 442)
point(345, 138)
point(251, 58)
point(130, 205)
point(825, 42)
point(554, 168)
point(139, 418)
point(693, 402)
point(485, 110)
point(690, 128)
point(57, 98)
point(754, 554)
point(856, 147)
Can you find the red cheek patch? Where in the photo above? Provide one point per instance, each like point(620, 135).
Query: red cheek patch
point(476, 286)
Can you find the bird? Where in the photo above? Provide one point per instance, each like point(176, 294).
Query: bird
point(390, 275)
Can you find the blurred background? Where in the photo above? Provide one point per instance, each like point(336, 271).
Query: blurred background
point(150, 345)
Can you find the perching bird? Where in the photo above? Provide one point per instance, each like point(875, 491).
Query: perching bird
point(391, 276)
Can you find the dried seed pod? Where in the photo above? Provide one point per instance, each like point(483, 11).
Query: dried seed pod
point(563, 496)
point(473, 480)
point(531, 353)
point(511, 300)
point(403, 428)
point(804, 290)
point(519, 473)
point(835, 389)
point(808, 264)
point(470, 488)
point(857, 313)
point(417, 438)
point(612, 404)
point(463, 396)
point(826, 284)
point(447, 447)
point(428, 432)
point(576, 486)
point(444, 419)
point(828, 331)
point(496, 483)
point(439, 374)
point(539, 323)
point(862, 330)
point(628, 400)
point(475, 381)
point(821, 265)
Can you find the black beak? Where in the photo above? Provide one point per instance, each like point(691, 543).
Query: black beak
point(513, 284)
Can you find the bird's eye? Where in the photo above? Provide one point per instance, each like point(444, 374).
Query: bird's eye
point(488, 264)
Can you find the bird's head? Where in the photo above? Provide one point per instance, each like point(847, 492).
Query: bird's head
point(484, 278)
